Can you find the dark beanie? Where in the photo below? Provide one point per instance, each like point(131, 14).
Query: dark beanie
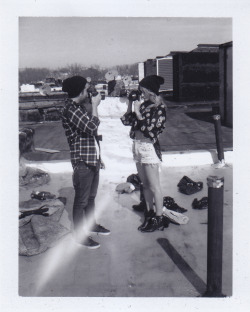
point(152, 83)
point(111, 86)
point(74, 85)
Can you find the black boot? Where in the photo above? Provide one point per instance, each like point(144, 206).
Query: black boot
point(156, 223)
point(140, 207)
point(170, 204)
point(200, 204)
point(148, 215)
point(165, 221)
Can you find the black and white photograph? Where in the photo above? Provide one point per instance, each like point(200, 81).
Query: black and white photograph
point(123, 157)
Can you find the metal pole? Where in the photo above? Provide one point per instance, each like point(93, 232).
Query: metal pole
point(218, 134)
point(214, 236)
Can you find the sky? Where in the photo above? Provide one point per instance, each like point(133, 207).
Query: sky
point(55, 42)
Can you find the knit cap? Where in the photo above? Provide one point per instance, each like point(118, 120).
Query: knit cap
point(74, 85)
point(152, 83)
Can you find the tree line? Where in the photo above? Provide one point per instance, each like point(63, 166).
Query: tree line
point(31, 75)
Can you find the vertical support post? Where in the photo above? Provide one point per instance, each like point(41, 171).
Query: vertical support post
point(218, 134)
point(222, 78)
point(215, 236)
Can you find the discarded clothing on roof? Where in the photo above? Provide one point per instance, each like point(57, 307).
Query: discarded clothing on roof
point(188, 186)
point(133, 184)
point(26, 140)
point(200, 204)
point(135, 180)
point(32, 177)
point(42, 195)
point(175, 217)
point(125, 188)
point(39, 227)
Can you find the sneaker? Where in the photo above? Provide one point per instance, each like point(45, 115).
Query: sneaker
point(89, 243)
point(97, 228)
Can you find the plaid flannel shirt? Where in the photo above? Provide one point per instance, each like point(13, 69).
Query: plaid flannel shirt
point(80, 129)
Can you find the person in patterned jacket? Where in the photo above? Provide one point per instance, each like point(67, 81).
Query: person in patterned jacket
point(147, 122)
point(81, 129)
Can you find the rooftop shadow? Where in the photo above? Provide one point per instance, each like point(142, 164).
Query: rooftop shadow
point(183, 266)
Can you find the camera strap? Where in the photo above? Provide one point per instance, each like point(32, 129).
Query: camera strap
point(98, 138)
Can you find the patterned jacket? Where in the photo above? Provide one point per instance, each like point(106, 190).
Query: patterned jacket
point(152, 124)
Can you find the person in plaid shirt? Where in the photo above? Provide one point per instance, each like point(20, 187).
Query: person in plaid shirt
point(81, 129)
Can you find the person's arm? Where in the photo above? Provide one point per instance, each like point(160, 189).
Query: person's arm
point(129, 117)
point(129, 108)
point(83, 121)
point(137, 105)
point(95, 102)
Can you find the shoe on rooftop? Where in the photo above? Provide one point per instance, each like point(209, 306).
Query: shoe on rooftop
point(99, 229)
point(89, 243)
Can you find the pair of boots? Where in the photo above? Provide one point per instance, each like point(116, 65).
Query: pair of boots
point(153, 222)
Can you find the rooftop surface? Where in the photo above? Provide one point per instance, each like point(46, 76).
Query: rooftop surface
point(129, 263)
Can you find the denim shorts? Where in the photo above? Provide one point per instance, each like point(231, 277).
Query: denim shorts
point(144, 153)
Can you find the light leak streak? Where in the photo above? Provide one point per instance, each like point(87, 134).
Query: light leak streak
point(65, 251)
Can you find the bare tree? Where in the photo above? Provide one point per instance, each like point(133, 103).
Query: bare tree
point(75, 69)
point(29, 75)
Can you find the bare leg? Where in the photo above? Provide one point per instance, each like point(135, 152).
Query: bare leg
point(152, 175)
point(146, 189)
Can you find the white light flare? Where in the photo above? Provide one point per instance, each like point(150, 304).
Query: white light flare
point(64, 252)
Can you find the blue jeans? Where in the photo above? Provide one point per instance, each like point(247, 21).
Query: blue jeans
point(85, 181)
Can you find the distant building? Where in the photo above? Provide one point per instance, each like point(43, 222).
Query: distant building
point(207, 48)
point(27, 88)
point(141, 71)
point(226, 82)
point(192, 75)
point(164, 68)
point(150, 67)
point(135, 81)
